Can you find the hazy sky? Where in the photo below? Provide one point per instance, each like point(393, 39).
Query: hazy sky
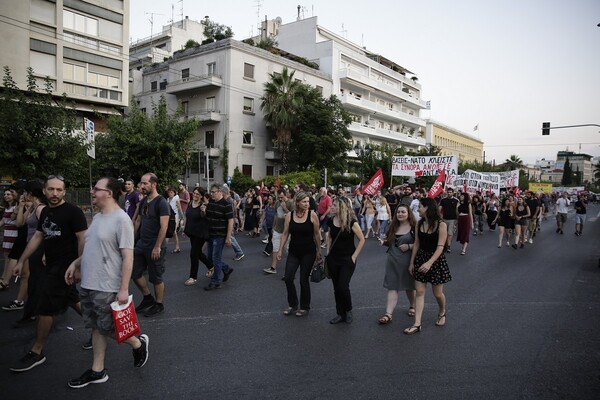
point(505, 65)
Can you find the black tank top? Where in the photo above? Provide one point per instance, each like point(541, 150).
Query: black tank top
point(302, 236)
point(428, 241)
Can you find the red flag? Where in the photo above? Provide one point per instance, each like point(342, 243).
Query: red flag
point(465, 187)
point(517, 191)
point(438, 185)
point(374, 184)
point(277, 183)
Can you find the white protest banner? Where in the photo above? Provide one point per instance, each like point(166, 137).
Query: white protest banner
point(424, 165)
point(509, 179)
point(478, 181)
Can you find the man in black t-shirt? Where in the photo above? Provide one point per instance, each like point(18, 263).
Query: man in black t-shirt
point(449, 214)
point(219, 214)
point(62, 228)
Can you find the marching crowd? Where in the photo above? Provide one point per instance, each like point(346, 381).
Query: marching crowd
point(48, 246)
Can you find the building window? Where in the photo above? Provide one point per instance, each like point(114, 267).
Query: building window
point(211, 68)
point(270, 170)
point(248, 105)
point(210, 103)
point(320, 90)
point(247, 170)
point(153, 86)
point(80, 23)
point(143, 110)
point(209, 139)
point(163, 85)
point(248, 71)
point(185, 74)
point(185, 107)
point(248, 138)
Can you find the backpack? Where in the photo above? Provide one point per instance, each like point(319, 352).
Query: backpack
point(172, 222)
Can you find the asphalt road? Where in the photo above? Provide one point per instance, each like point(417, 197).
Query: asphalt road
point(522, 324)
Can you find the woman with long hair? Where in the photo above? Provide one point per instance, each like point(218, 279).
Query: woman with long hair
point(342, 254)
point(383, 215)
point(175, 204)
point(522, 212)
point(491, 207)
point(368, 210)
point(478, 213)
point(428, 262)
point(400, 239)
point(196, 228)
point(302, 225)
point(505, 221)
point(464, 210)
point(10, 232)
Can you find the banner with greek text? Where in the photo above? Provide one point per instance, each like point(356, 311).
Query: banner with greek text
point(485, 182)
point(416, 166)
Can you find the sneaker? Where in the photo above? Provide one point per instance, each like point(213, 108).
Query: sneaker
point(270, 270)
point(266, 253)
point(323, 245)
point(238, 258)
point(88, 377)
point(212, 286)
point(561, 231)
point(557, 230)
point(530, 241)
point(145, 304)
point(227, 274)
point(474, 233)
point(14, 305)
point(87, 345)
point(265, 241)
point(156, 309)
point(140, 355)
point(29, 361)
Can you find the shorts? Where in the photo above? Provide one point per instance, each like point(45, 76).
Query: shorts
point(97, 314)
point(580, 218)
point(532, 223)
point(451, 226)
point(142, 260)
point(522, 222)
point(56, 296)
point(276, 240)
point(561, 217)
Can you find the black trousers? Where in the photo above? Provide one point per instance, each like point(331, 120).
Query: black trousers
point(305, 263)
point(341, 270)
point(197, 254)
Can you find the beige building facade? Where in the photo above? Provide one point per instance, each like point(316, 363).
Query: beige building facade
point(452, 141)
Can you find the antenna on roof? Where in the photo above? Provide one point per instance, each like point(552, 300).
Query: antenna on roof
point(258, 25)
point(151, 19)
point(344, 32)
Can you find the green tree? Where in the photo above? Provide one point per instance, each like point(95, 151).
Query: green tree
point(190, 44)
point(281, 103)
point(40, 134)
point(567, 178)
point(214, 31)
point(320, 138)
point(140, 143)
point(513, 162)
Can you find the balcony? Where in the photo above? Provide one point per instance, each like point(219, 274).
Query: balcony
point(194, 84)
point(272, 154)
point(386, 134)
point(394, 89)
point(361, 104)
point(206, 117)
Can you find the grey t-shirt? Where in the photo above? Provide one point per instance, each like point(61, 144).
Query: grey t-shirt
point(150, 221)
point(101, 262)
point(279, 220)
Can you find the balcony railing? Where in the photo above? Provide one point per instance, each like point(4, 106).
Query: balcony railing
point(195, 83)
point(374, 108)
point(205, 116)
point(386, 134)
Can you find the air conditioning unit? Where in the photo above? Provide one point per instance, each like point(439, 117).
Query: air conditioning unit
point(185, 79)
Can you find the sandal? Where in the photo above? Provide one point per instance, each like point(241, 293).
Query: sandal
point(301, 313)
point(386, 319)
point(210, 272)
point(411, 311)
point(289, 311)
point(176, 251)
point(412, 330)
point(438, 323)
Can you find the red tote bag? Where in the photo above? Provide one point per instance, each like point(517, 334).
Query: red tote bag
point(126, 321)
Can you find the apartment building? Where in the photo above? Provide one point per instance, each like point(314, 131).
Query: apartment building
point(383, 97)
point(581, 163)
point(220, 84)
point(452, 141)
point(80, 45)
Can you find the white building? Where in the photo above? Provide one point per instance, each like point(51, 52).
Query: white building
point(221, 84)
point(384, 102)
point(79, 45)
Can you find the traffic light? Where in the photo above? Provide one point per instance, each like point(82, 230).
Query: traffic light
point(545, 128)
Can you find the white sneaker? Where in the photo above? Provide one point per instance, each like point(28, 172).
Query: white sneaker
point(265, 241)
point(530, 240)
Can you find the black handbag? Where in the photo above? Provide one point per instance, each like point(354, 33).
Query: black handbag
point(319, 269)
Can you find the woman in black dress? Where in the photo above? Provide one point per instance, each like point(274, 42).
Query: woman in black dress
point(196, 228)
point(428, 262)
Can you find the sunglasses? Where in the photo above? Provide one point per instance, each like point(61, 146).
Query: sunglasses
point(59, 177)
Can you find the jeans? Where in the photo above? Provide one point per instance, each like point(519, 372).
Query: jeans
point(479, 222)
point(196, 254)
point(214, 250)
point(236, 247)
point(384, 224)
point(305, 262)
point(341, 270)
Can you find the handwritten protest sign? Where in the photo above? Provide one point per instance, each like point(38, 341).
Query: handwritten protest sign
point(424, 165)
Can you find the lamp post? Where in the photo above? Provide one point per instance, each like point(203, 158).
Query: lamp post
point(363, 152)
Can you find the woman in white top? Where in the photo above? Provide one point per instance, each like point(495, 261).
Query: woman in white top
point(383, 215)
point(179, 216)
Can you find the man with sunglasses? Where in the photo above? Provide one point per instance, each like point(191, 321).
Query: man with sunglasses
point(110, 239)
point(61, 228)
point(150, 222)
point(219, 213)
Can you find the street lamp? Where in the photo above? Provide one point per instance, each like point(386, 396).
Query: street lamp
point(363, 152)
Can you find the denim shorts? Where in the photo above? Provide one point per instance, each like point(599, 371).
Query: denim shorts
point(97, 314)
point(580, 218)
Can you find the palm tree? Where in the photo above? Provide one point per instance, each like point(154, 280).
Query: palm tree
point(280, 103)
point(597, 171)
point(513, 162)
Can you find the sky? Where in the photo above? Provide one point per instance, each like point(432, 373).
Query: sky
point(505, 66)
